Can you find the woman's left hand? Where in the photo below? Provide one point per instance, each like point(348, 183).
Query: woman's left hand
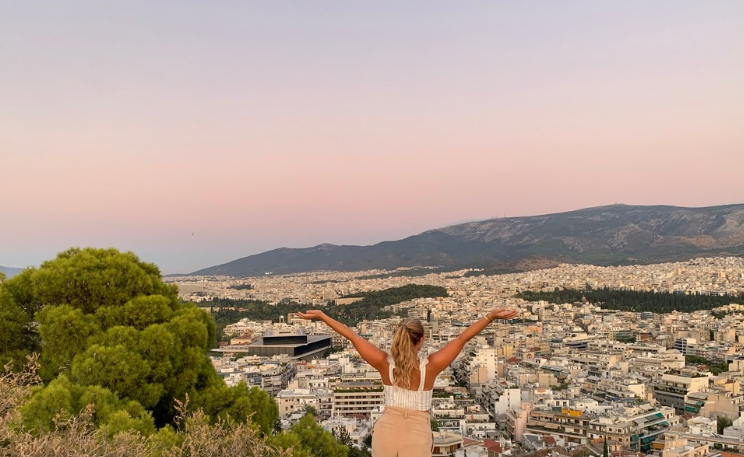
point(501, 313)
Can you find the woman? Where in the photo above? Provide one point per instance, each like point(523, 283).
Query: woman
point(404, 429)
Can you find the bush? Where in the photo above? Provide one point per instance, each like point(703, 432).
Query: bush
point(78, 436)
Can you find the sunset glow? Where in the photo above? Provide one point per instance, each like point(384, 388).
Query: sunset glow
point(195, 133)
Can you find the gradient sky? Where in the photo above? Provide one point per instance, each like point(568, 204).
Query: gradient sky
point(256, 125)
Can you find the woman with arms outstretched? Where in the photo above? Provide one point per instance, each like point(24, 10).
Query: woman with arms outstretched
point(404, 429)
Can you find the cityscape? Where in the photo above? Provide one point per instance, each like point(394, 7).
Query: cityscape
point(372, 229)
point(563, 376)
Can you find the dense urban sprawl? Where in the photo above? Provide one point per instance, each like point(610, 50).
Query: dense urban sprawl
point(564, 377)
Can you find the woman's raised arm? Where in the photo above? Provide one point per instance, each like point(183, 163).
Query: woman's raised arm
point(374, 356)
point(441, 359)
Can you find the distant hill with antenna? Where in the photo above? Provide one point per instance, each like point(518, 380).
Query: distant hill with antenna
point(606, 235)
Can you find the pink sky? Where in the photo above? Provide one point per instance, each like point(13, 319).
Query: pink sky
point(134, 125)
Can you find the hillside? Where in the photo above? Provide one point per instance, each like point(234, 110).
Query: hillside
point(9, 272)
point(607, 235)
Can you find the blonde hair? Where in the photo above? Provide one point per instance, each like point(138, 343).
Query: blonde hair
point(407, 336)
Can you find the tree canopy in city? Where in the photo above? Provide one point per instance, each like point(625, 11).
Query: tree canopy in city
point(370, 306)
point(112, 334)
point(308, 439)
point(637, 301)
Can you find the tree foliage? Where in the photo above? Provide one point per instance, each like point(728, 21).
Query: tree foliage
point(342, 436)
point(16, 338)
point(605, 451)
point(413, 272)
point(88, 279)
point(228, 311)
point(637, 301)
point(121, 435)
point(239, 403)
point(111, 333)
point(306, 438)
point(721, 423)
point(713, 367)
point(372, 303)
point(62, 397)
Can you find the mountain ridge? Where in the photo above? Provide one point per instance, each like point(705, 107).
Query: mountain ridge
point(9, 272)
point(603, 235)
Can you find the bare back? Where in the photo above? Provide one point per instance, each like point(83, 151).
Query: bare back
point(431, 376)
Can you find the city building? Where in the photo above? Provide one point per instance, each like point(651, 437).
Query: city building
point(292, 342)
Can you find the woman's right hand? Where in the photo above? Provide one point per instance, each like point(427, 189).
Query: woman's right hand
point(502, 313)
point(312, 314)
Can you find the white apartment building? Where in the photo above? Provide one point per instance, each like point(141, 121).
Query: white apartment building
point(296, 400)
point(356, 398)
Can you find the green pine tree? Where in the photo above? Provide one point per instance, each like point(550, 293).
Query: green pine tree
point(606, 452)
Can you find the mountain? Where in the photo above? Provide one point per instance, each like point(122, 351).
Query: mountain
point(606, 235)
point(9, 272)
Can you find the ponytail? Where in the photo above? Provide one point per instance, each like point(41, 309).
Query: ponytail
point(407, 336)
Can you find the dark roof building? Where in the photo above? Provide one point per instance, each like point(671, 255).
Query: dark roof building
point(293, 342)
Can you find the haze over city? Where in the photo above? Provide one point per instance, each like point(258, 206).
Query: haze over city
point(193, 133)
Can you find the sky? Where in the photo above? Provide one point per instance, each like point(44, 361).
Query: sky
point(194, 133)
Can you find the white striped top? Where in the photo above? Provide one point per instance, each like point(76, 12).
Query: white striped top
point(418, 400)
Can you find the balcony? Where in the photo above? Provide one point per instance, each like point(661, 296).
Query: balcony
point(670, 389)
